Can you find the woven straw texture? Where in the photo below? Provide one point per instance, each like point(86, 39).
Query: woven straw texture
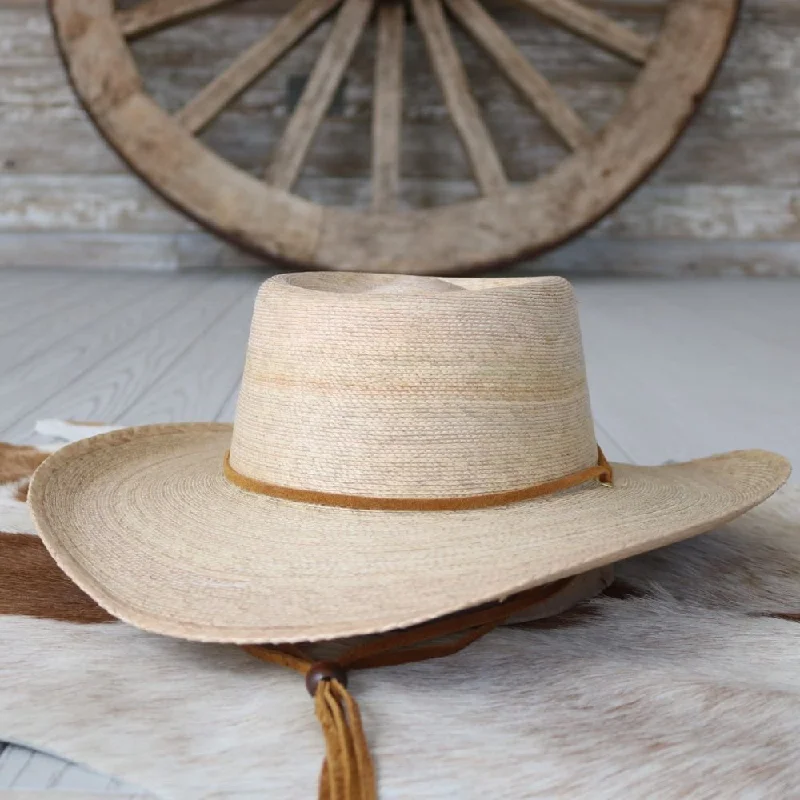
point(434, 389)
point(385, 387)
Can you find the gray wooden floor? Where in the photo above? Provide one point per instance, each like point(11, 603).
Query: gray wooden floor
point(677, 370)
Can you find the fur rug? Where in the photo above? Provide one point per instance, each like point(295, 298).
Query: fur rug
point(682, 680)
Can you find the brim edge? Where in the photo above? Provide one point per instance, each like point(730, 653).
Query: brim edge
point(59, 551)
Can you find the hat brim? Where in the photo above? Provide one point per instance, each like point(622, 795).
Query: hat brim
point(144, 521)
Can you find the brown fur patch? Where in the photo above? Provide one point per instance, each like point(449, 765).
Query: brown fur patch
point(566, 619)
point(32, 585)
point(18, 461)
point(789, 617)
point(21, 495)
point(581, 614)
point(621, 590)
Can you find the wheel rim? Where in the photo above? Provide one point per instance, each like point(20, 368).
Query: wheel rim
point(508, 222)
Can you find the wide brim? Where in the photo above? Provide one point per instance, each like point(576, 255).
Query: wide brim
point(144, 521)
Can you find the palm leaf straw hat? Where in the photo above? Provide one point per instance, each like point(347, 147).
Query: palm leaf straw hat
point(413, 455)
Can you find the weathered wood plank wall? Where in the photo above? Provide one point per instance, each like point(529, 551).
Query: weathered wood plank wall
point(726, 200)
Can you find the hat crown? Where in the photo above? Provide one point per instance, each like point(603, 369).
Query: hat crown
point(396, 386)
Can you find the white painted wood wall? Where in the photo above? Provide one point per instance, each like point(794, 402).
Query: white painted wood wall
point(727, 200)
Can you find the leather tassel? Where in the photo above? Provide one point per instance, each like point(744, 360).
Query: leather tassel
point(348, 772)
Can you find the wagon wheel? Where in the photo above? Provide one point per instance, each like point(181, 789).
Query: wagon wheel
point(507, 221)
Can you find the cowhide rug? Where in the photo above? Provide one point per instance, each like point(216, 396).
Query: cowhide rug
point(682, 680)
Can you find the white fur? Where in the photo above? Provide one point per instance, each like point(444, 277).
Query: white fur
point(67, 431)
point(14, 516)
point(686, 692)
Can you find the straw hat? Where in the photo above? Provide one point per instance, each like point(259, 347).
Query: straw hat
point(403, 448)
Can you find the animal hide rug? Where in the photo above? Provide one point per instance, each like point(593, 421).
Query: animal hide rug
point(681, 680)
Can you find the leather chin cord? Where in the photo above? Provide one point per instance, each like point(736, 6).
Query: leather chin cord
point(348, 772)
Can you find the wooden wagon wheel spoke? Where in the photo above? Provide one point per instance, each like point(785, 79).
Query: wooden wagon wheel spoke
point(387, 106)
point(151, 14)
point(517, 69)
point(253, 63)
point(318, 93)
point(513, 217)
point(596, 27)
point(463, 109)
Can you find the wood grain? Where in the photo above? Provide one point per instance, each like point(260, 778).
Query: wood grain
point(464, 111)
point(447, 239)
point(318, 93)
point(150, 14)
point(686, 391)
point(56, 372)
point(387, 110)
point(75, 203)
point(594, 254)
point(536, 89)
point(11, 281)
point(752, 97)
point(30, 775)
point(681, 258)
point(51, 320)
point(166, 155)
point(745, 141)
point(759, 148)
point(204, 46)
point(164, 329)
point(99, 250)
point(27, 305)
point(17, 297)
point(209, 370)
point(595, 26)
point(577, 189)
point(253, 63)
point(717, 152)
point(760, 7)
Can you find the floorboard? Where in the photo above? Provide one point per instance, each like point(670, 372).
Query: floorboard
point(612, 449)
point(770, 314)
point(60, 321)
point(199, 384)
point(13, 761)
point(15, 284)
point(99, 372)
point(41, 772)
point(670, 381)
point(24, 302)
point(27, 386)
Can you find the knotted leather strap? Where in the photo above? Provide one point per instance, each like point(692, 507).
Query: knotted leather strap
point(601, 471)
point(348, 772)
